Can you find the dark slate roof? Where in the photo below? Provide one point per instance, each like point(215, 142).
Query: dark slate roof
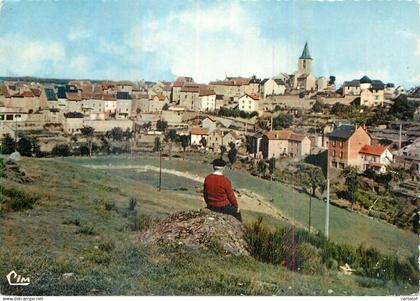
point(73, 115)
point(61, 92)
point(50, 94)
point(365, 80)
point(71, 88)
point(353, 83)
point(390, 85)
point(123, 95)
point(255, 81)
point(343, 132)
point(264, 81)
point(378, 85)
point(305, 53)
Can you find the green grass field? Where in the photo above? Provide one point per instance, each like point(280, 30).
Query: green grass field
point(77, 238)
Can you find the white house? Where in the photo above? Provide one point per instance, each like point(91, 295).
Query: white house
point(197, 134)
point(376, 157)
point(249, 102)
point(207, 100)
point(273, 87)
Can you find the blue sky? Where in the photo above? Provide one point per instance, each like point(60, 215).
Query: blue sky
point(158, 40)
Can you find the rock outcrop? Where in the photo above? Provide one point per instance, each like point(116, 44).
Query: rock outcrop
point(199, 228)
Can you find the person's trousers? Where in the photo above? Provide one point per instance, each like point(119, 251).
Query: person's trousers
point(229, 209)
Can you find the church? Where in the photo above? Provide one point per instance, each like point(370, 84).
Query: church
point(303, 79)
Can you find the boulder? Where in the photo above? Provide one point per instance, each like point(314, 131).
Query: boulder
point(199, 228)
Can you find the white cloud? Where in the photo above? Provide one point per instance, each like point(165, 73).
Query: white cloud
point(207, 44)
point(412, 36)
point(23, 56)
point(78, 33)
point(80, 65)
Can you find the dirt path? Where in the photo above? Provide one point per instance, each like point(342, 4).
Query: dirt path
point(247, 199)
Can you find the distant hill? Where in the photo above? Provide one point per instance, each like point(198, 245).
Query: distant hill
point(60, 81)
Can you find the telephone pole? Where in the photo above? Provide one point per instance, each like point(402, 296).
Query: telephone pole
point(399, 136)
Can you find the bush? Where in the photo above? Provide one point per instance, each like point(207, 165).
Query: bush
point(86, 230)
point(299, 250)
point(61, 150)
point(16, 200)
point(141, 222)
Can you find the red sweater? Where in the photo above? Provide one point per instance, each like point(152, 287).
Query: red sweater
point(218, 191)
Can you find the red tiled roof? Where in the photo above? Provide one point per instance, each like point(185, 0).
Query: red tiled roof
point(206, 92)
point(160, 97)
point(199, 131)
point(253, 96)
point(375, 150)
point(73, 96)
point(36, 92)
point(278, 135)
point(297, 137)
point(375, 164)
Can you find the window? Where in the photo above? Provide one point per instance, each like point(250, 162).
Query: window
point(341, 154)
point(9, 117)
point(333, 143)
point(1, 117)
point(333, 153)
point(341, 144)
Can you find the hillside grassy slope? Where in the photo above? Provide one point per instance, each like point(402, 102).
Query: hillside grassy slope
point(78, 240)
point(345, 227)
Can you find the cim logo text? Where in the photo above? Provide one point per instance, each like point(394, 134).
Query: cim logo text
point(15, 279)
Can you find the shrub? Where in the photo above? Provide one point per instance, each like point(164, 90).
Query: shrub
point(61, 150)
point(86, 230)
point(140, 222)
point(299, 250)
point(16, 200)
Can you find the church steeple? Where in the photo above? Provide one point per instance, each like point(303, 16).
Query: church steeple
point(305, 53)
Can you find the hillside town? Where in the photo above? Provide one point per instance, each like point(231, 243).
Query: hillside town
point(364, 123)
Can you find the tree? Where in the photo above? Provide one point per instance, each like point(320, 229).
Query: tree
point(222, 150)
point(262, 167)
point(272, 166)
point(172, 134)
point(161, 125)
point(128, 134)
point(61, 150)
point(24, 146)
point(332, 80)
point(282, 121)
point(8, 144)
point(352, 181)
point(165, 107)
point(402, 108)
point(105, 145)
point(87, 131)
point(311, 176)
point(232, 154)
point(116, 134)
point(318, 106)
point(203, 141)
point(157, 145)
point(184, 142)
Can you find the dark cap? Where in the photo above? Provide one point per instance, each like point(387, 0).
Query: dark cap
point(219, 162)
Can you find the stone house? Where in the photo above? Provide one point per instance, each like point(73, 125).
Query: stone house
point(284, 143)
point(197, 134)
point(209, 123)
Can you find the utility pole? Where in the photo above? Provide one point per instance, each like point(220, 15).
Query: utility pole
point(160, 167)
point(327, 213)
point(399, 137)
point(310, 211)
point(327, 207)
